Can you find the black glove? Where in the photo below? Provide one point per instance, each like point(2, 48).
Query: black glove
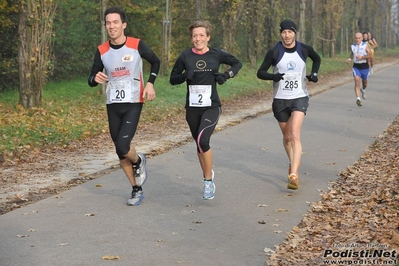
point(222, 77)
point(278, 76)
point(189, 74)
point(313, 77)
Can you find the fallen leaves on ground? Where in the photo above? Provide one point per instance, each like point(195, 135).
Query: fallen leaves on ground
point(107, 257)
point(360, 211)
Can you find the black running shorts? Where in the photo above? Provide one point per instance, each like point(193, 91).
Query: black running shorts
point(282, 108)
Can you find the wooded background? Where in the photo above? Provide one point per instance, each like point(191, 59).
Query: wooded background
point(56, 40)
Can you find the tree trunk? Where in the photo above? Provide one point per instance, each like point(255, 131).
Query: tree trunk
point(314, 23)
point(35, 24)
point(28, 97)
point(104, 34)
point(302, 17)
point(166, 37)
point(251, 32)
point(232, 15)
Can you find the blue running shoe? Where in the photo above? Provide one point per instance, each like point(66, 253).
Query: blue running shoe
point(209, 188)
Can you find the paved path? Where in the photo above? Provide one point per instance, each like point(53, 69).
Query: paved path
point(173, 225)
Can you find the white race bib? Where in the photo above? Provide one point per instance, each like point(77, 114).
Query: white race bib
point(120, 91)
point(200, 95)
point(291, 82)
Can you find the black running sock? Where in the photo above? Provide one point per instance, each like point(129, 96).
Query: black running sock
point(138, 161)
point(136, 188)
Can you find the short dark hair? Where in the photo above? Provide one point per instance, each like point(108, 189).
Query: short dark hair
point(201, 23)
point(116, 10)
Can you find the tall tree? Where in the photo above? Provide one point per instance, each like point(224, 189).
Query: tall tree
point(315, 22)
point(302, 17)
point(166, 38)
point(251, 33)
point(104, 35)
point(35, 32)
point(232, 12)
point(335, 19)
point(8, 51)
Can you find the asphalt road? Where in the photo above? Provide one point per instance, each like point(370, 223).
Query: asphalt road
point(173, 225)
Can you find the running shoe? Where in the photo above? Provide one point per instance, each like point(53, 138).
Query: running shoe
point(140, 172)
point(359, 102)
point(363, 93)
point(136, 198)
point(293, 181)
point(209, 188)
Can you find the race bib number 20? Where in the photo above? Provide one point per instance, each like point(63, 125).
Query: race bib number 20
point(120, 91)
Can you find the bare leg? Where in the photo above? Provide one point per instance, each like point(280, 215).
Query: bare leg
point(285, 129)
point(364, 83)
point(126, 165)
point(357, 86)
point(206, 162)
point(292, 139)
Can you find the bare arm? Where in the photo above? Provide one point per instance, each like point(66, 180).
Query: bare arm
point(350, 58)
point(374, 43)
point(369, 54)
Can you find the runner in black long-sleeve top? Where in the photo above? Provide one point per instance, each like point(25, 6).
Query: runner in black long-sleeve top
point(199, 68)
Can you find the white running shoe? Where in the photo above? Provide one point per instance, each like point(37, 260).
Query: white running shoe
point(363, 93)
point(140, 173)
point(137, 197)
point(209, 188)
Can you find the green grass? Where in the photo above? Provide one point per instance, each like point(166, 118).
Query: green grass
point(71, 110)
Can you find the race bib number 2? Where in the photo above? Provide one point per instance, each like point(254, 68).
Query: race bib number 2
point(200, 95)
point(120, 91)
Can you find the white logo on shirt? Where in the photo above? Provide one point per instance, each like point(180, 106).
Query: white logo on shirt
point(291, 65)
point(127, 58)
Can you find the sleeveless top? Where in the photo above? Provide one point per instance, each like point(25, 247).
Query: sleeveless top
point(124, 68)
point(359, 49)
point(293, 85)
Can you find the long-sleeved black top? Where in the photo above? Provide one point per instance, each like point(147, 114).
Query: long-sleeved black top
point(204, 67)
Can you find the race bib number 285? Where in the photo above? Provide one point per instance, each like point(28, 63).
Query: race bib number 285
point(292, 81)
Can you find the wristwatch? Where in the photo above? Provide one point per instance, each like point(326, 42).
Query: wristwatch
point(231, 74)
